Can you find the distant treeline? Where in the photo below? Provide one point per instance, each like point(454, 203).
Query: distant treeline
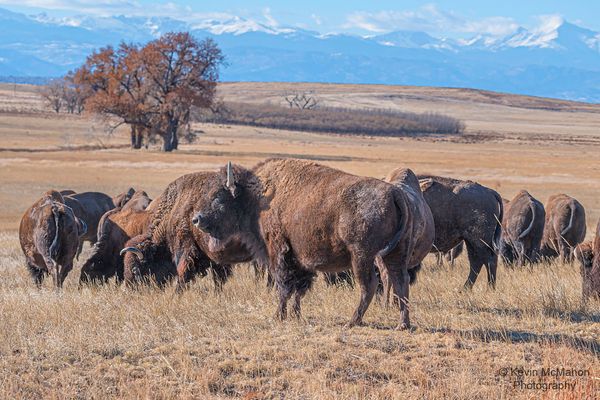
point(28, 80)
point(372, 122)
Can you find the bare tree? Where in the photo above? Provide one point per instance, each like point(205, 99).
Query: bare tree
point(52, 94)
point(301, 101)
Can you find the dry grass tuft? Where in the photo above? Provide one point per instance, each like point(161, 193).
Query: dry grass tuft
point(110, 342)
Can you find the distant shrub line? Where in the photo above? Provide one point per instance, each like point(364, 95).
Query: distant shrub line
point(372, 122)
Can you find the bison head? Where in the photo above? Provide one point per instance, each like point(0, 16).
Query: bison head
point(222, 213)
point(585, 255)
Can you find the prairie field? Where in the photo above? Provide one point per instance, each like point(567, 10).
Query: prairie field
point(113, 342)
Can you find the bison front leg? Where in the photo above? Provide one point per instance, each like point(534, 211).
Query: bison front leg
point(364, 271)
point(477, 258)
point(187, 267)
point(220, 275)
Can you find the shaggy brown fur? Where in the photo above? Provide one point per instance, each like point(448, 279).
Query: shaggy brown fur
point(522, 229)
point(465, 210)
point(590, 273)
point(565, 227)
point(594, 280)
point(49, 234)
point(172, 247)
point(301, 218)
point(423, 228)
point(116, 227)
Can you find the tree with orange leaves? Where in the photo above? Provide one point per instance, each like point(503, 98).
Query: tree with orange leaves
point(153, 87)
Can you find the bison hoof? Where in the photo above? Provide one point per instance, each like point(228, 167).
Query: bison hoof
point(403, 326)
point(352, 324)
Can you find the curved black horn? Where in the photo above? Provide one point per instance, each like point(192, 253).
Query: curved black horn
point(134, 250)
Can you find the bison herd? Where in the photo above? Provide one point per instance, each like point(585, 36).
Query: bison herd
point(293, 219)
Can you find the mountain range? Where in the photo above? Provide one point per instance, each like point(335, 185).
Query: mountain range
point(560, 60)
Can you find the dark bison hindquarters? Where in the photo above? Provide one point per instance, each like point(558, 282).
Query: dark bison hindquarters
point(564, 229)
point(49, 234)
point(423, 227)
point(465, 210)
point(302, 218)
point(522, 229)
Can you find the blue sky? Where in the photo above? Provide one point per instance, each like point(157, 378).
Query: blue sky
point(449, 18)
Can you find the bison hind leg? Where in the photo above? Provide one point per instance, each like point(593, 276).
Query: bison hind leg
point(302, 283)
point(479, 255)
point(36, 274)
point(366, 277)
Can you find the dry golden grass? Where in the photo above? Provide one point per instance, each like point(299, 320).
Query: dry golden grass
point(113, 343)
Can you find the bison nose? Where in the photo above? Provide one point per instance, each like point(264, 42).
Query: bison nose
point(199, 221)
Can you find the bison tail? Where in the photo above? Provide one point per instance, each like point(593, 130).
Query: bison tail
point(412, 274)
point(499, 218)
point(401, 203)
point(572, 208)
point(55, 245)
point(530, 227)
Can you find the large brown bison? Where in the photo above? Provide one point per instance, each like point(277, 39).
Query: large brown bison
point(423, 229)
point(564, 229)
point(49, 234)
point(116, 227)
point(301, 218)
point(172, 247)
point(465, 211)
point(522, 229)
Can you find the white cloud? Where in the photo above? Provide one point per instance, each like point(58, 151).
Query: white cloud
point(316, 19)
point(102, 7)
point(428, 18)
point(270, 20)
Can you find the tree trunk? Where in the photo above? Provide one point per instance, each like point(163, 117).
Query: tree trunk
point(170, 139)
point(136, 137)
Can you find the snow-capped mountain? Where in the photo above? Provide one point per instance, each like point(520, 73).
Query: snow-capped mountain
point(557, 59)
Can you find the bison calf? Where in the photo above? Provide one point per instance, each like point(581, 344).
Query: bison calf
point(49, 234)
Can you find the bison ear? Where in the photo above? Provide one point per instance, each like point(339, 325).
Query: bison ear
point(230, 183)
point(425, 184)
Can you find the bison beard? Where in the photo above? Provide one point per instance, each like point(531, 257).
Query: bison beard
point(300, 218)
